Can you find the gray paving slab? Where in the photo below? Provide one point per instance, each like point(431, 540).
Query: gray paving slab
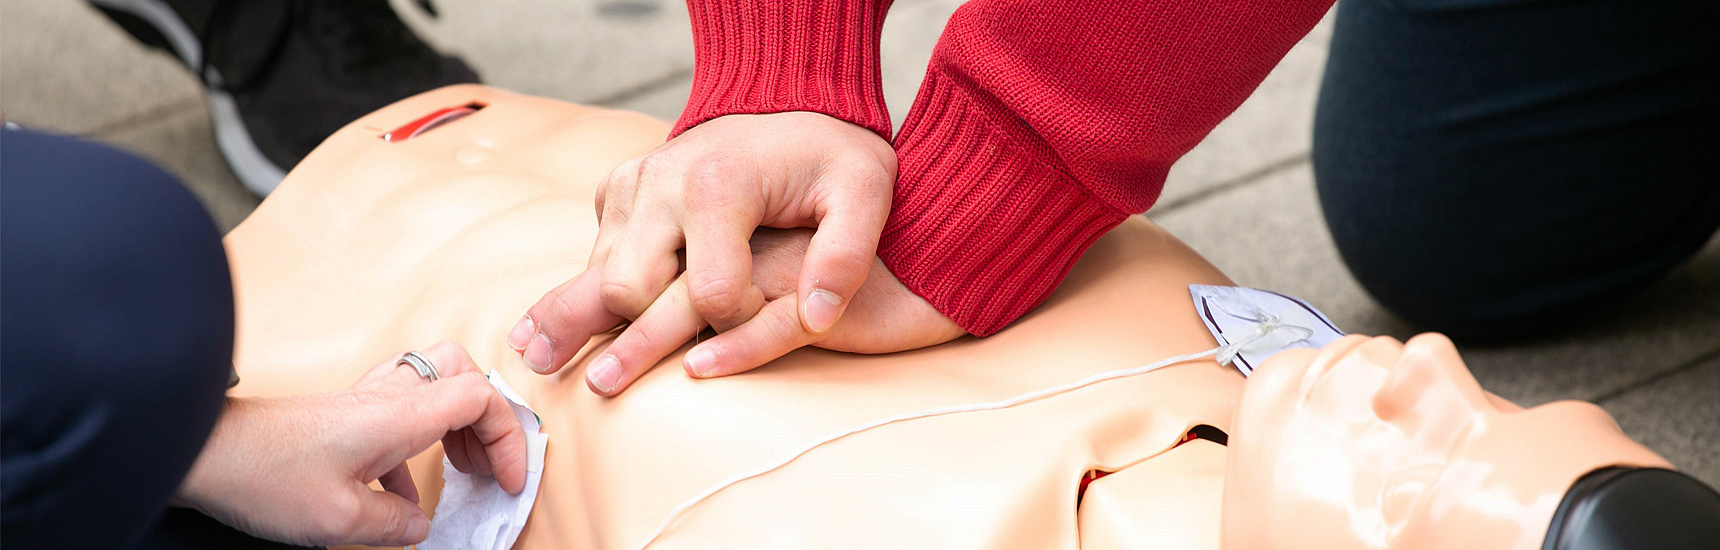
point(65, 67)
point(1667, 324)
point(1273, 127)
point(1678, 416)
point(183, 142)
point(577, 50)
point(664, 101)
point(1270, 234)
point(910, 31)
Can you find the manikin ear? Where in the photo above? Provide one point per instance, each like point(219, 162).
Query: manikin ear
point(1430, 394)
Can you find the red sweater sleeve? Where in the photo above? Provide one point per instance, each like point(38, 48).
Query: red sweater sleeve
point(787, 55)
point(1042, 124)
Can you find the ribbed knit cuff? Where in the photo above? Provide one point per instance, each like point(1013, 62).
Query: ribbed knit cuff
point(984, 224)
point(777, 56)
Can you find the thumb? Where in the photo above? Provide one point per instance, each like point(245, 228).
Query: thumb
point(386, 519)
point(838, 260)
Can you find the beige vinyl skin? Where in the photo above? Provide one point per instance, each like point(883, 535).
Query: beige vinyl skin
point(370, 248)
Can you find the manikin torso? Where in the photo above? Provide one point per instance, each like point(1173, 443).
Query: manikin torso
point(370, 248)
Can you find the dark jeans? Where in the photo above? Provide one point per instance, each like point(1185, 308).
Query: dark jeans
point(117, 311)
point(1491, 168)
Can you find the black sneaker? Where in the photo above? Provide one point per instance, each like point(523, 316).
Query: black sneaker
point(282, 75)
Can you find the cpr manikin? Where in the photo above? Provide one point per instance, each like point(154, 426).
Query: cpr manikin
point(371, 246)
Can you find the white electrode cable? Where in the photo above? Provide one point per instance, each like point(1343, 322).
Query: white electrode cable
point(1224, 354)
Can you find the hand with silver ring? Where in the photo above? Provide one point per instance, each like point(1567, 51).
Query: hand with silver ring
point(298, 469)
point(421, 364)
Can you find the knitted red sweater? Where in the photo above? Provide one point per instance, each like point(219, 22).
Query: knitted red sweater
point(1041, 124)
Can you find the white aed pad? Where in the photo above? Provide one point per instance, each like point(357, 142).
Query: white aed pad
point(1235, 313)
point(475, 513)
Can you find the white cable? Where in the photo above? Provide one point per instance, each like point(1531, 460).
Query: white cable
point(1225, 353)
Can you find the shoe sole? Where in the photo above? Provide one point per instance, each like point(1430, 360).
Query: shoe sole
point(155, 23)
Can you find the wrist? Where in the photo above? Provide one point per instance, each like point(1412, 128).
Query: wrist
point(204, 485)
point(987, 234)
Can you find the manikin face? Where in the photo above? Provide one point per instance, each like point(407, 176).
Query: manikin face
point(1372, 443)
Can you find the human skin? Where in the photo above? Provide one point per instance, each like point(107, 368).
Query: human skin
point(695, 201)
point(1372, 443)
point(298, 469)
point(369, 247)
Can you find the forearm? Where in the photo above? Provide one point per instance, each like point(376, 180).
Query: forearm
point(1041, 125)
point(770, 57)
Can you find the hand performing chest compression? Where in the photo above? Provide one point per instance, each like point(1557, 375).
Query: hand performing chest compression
point(672, 255)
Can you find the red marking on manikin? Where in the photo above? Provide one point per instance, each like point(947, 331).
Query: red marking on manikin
point(1092, 475)
point(427, 122)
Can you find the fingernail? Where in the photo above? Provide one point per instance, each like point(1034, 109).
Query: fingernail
point(604, 374)
point(417, 529)
point(823, 307)
point(539, 353)
point(699, 361)
point(521, 334)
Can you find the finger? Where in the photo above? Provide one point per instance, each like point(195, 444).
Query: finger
point(641, 263)
point(662, 329)
point(399, 482)
point(449, 359)
point(775, 331)
point(475, 457)
point(384, 373)
point(777, 257)
point(719, 266)
point(605, 242)
point(466, 401)
point(454, 448)
point(564, 320)
point(385, 519)
point(839, 258)
point(721, 220)
point(613, 203)
point(602, 195)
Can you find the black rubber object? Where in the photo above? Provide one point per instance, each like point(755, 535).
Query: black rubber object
point(1636, 508)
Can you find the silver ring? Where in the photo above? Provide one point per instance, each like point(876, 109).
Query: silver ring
point(420, 363)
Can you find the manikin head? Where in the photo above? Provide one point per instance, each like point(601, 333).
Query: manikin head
point(1372, 443)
